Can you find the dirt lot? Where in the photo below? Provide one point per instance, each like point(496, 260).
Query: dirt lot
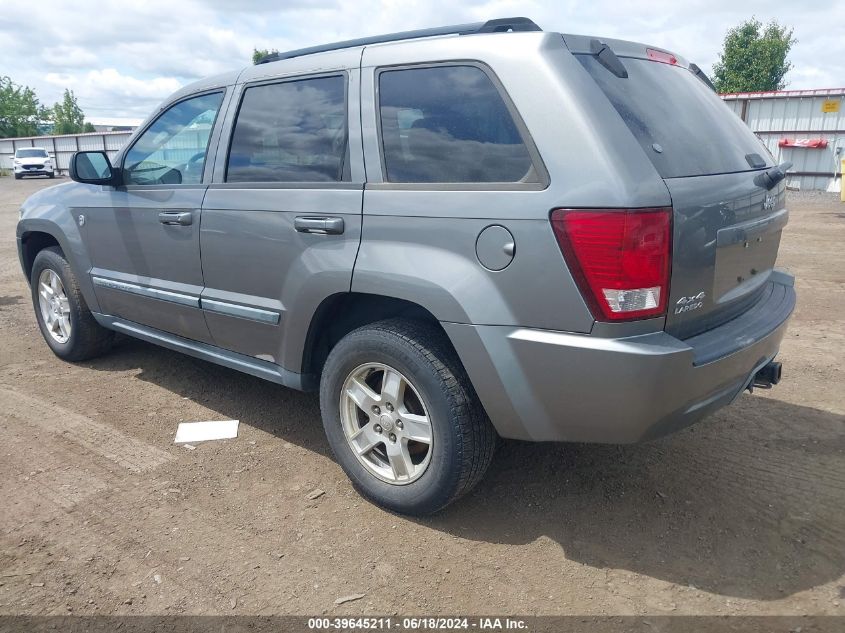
point(101, 514)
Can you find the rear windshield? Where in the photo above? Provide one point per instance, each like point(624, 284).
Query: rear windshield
point(668, 106)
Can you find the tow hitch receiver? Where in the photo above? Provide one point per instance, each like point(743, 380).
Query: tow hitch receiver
point(767, 377)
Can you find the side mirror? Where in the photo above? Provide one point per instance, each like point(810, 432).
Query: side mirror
point(93, 168)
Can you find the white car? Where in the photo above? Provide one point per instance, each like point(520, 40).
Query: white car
point(33, 161)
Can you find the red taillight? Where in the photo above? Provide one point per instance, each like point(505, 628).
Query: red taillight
point(661, 56)
point(619, 257)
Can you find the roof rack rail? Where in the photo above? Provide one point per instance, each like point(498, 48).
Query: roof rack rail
point(501, 25)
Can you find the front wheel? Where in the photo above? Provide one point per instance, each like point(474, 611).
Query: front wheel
point(402, 417)
point(65, 321)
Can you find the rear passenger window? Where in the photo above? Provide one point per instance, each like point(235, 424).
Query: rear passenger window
point(449, 124)
point(290, 132)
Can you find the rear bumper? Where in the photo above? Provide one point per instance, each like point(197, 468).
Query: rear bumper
point(542, 385)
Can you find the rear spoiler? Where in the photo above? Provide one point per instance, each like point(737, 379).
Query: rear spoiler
point(582, 44)
point(611, 54)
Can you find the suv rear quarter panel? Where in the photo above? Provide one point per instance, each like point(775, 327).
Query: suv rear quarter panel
point(419, 240)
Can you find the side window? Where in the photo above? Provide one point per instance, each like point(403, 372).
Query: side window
point(449, 124)
point(172, 150)
point(293, 131)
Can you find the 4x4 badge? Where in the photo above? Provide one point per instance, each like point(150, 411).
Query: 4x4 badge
point(688, 304)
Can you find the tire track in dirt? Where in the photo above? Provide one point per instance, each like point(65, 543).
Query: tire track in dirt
point(794, 500)
point(72, 484)
point(133, 454)
point(51, 481)
point(92, 502)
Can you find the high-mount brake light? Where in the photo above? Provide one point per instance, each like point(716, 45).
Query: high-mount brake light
point(661, 56)
point(620, 258)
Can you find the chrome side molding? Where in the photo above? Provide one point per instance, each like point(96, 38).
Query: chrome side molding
point(146, 291)
point(244, 312)
point(210, 305)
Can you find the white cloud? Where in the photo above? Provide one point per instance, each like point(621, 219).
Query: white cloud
point(63, 56)
point(119, 94)
point(120, 59)
point(109, 80)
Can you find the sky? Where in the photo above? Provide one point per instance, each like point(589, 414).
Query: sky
point(122, 58)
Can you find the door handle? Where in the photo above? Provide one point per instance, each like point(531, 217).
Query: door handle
point(177, 218)
point(319, 225)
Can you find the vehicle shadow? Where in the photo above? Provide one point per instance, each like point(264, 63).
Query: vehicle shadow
point(288, 414)
point(749, 503)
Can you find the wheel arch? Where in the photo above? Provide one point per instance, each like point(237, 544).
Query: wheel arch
point(32, 243)
point(36, 234)
point(339, 314)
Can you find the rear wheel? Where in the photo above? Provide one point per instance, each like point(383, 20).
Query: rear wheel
point(402, 417)
point(63, 316)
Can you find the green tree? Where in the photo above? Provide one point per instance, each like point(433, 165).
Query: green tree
point(68, 117)
point(20, 111)
point(754, 58)
point(89, 127)
point(259, 53)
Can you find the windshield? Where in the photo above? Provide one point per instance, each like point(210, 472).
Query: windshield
point(682, 125)
point(31, 153)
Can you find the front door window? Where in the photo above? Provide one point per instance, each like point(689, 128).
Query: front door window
point(172, 150)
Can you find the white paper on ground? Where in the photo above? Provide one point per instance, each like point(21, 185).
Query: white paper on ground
point(204, 431)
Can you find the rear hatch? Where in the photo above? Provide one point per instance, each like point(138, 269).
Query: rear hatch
point(727, 228)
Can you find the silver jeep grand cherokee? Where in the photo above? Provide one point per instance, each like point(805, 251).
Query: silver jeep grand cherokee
point(455, 234)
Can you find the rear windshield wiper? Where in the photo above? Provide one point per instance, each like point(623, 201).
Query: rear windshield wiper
point(701, 75)
point(772, 176)
point(608, 58)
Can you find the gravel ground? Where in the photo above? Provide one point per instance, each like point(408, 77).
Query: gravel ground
point(101, 514)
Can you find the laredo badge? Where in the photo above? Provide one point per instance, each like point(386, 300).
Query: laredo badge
point(688, 304)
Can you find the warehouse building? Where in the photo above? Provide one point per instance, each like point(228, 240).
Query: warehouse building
point(805, 127)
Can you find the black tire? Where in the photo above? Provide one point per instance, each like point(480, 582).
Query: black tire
point(18, 176)
point(52, 174)
point(464, 440)
point(88, 338)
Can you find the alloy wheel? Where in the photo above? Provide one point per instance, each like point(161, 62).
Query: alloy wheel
point(54, 305)
point(386, 423)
